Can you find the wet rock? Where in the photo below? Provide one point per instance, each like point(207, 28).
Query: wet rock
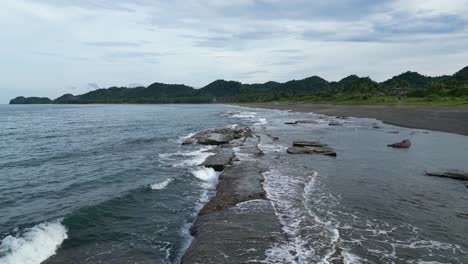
point(376, 126)
point(214, 139)
point(311, 147)
point(238, 224)
point(418, 132)
point(466, 184)
point(219, 136)
point(220, 159)
point(189, 141)
point(403, 144)
point(240, 234)
point(393, 132)
point(237, 183)
point(312, 150)
point(299, 122)
point(335, 123)
point(452, 174)
point(302, 143)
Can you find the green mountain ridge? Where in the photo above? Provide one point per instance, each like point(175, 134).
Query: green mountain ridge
point(409, 83)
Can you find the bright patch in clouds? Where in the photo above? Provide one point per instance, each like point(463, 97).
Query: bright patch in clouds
point(52, 47)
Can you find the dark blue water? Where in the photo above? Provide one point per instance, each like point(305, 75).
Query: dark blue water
point(112, 184)
point(85, 173)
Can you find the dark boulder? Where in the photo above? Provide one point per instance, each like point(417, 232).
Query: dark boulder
point(334, 123)
point(220, 160)
point(214, 139)
point(403, 144)
point(302, 143)
point(298, 122)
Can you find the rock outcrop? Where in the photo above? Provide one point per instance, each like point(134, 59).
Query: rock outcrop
point(237, 183)
point(403, 144)
point(299, 122)
point(219, 136)
point(239, 217)
point(220, 159)
point(334, 123)
point(452, 174)
point(311, 147)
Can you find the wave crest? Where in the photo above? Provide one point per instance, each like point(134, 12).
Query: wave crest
point(35, 245)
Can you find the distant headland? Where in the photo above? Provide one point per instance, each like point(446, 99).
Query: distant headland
point(406, 87)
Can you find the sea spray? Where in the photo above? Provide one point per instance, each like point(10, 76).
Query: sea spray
point(205, 174)
point(35, 245)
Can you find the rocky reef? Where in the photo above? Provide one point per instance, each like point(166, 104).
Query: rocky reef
point(238, 224)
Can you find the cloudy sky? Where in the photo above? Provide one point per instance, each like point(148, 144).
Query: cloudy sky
point(52, 47)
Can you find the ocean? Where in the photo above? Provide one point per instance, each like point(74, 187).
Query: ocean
point(113, 184)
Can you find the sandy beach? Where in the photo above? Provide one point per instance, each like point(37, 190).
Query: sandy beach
point(445, 119)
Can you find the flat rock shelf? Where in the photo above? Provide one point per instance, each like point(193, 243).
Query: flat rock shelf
point(227, 229)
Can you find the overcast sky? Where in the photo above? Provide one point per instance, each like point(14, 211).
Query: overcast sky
point(52, 47)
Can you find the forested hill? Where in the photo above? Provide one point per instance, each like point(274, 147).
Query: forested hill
point(408, 84)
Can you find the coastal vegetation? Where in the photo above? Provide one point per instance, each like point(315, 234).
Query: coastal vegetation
point(406, 88)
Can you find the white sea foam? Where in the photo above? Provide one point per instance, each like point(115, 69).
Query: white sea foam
point(183, 138)
point(190, 158)
point(35, 245)
point(261, 121)
point(161, 185)
point(272, 148)
point(246, 115)
point(350, 258)
point(206, 174)
point(312, 239)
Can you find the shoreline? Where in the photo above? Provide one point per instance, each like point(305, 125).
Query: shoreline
point(443, 119)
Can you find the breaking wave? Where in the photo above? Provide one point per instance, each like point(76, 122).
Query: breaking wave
point(34, 245)
point(161, 185)
point(195, 157)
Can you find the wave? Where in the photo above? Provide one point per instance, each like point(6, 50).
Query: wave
point(261, 121)
point(161, 185)
point(183, 138)
point(35, 245)
point(209, 178)
point(248, 115)
point(195, 157)
point(208, 175)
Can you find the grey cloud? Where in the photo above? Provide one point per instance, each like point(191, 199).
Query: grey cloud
point(118, 5)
